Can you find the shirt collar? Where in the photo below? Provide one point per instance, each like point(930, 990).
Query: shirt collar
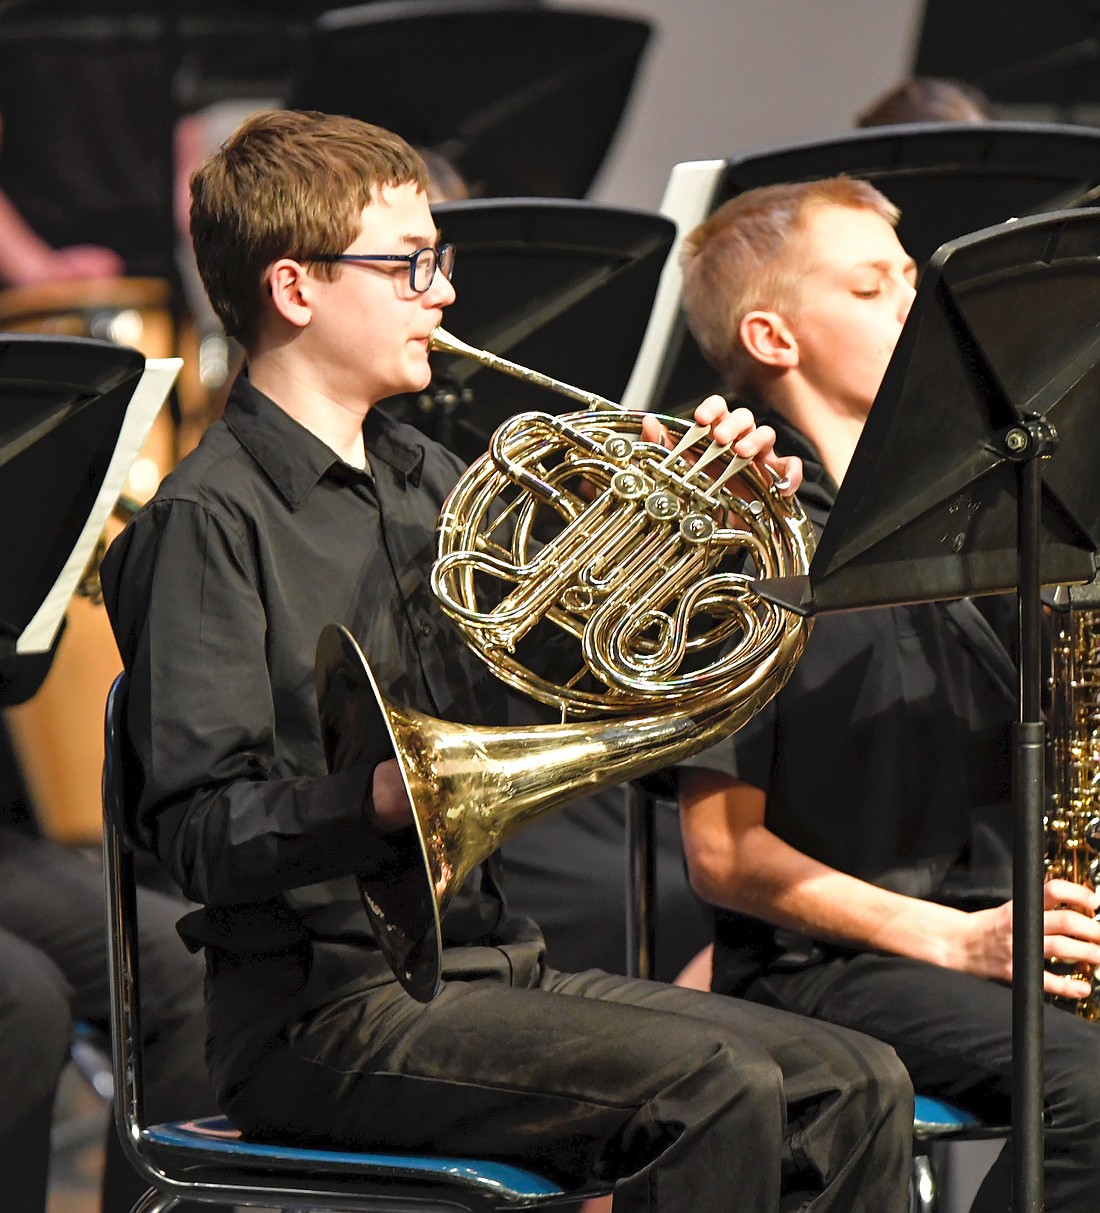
point(818, 487)
point(294, 459)
point(398, 445)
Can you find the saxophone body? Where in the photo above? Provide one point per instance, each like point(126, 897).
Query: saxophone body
point(1072, 823)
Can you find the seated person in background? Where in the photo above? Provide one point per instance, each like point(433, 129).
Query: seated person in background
point(53, 971)
point(304, 505)
point(85, 188)
point(928, 99)
point(445, 182)
point(94, 169)
point(856, 832)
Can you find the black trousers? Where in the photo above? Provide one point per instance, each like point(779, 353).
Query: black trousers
point(699, 1103)
point(53, 970)
point(954, 1034)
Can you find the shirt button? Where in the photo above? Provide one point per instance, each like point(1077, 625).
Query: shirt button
point(425, 630)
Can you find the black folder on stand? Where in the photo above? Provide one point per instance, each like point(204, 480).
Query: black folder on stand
point(73, 415)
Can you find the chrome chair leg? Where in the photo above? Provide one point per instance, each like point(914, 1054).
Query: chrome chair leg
point(923, 1196)
point(157, 1202)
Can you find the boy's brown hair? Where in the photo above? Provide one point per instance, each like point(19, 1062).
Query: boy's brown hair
point(928, 99)
point(745, 258)
point(287, 183)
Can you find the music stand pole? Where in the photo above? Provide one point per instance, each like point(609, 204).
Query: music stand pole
point(1035, 440)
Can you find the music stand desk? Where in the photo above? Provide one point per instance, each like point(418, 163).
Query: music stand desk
point(73, 414)
point(523, 99)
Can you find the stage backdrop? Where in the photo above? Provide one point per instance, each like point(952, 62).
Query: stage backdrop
point(723, 76)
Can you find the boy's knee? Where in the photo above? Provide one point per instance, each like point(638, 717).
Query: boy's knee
point(871, 1078)
point(1073, 1094)
point(886, 1078)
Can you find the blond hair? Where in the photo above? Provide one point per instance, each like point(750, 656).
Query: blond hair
point(745, 258)
point(287, 183)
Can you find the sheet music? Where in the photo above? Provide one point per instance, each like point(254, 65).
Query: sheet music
point(688, 200)
point(151, 392)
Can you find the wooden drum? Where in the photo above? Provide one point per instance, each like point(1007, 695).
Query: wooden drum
point(57, 735)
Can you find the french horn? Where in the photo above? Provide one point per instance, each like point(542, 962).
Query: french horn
point(608, 577)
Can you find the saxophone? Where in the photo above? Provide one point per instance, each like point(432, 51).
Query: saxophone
point(1072, 823)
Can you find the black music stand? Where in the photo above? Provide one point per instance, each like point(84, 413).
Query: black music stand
point(975, 473)
point(73, 414)
point(948, 179)
point(522, 99)
point(560, 286)
point(1032, 52)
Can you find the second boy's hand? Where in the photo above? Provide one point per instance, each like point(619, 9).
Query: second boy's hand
point(737, 427)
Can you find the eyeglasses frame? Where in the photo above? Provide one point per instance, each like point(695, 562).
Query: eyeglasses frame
point(439, 254)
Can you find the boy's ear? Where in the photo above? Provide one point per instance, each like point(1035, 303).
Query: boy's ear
point(769, 340)
point(288, 286)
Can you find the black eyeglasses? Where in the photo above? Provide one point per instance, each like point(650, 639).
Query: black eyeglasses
point(422, 264)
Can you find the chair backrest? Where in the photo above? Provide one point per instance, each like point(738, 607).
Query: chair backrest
point(122, 948)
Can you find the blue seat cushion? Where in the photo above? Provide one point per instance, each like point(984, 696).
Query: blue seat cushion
point(214, 1136)
point(938, 1118)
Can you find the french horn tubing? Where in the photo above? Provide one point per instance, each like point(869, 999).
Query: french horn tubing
point(573, 545)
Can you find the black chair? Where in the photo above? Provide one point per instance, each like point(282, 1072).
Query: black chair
point(208, 1160)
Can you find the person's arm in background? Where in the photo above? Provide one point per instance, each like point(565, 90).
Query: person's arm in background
point(736, 862)
point(27, 260)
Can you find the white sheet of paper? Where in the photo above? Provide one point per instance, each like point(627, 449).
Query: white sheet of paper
point(150, 393)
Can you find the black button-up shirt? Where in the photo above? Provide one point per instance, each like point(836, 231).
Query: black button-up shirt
point(217, 592)
point(887, 753)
